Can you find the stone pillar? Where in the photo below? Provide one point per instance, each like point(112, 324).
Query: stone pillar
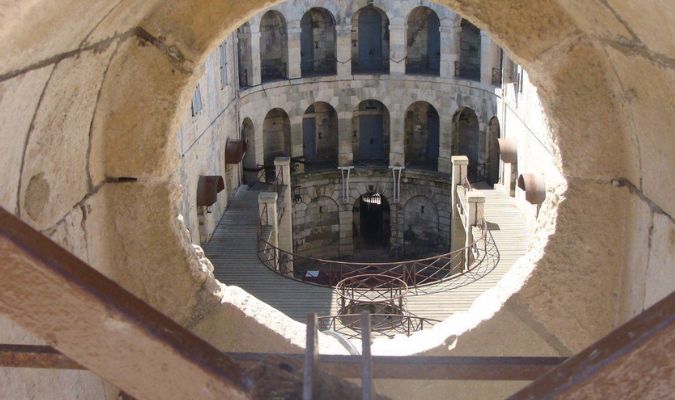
point(344, 51)
point(256, 65)
point(345, 135)
point(506, 178)
point(397, 47)
point(459, 170)
point(450, 47)
point(474, 214)
point(269, 217)
point(346, 230)
point(485, 60)
point(286, 221)
point(397, 139)
point(294, 57)
point(445, 144)
point(297, 139)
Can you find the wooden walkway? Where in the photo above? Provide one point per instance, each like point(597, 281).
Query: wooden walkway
point(233, 252)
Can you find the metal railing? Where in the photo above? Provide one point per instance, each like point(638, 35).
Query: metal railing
point(415, 273)
point(388, 325)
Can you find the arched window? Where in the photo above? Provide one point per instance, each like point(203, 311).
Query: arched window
point(276, 136)
point(370, 41)
point(469, 56)
point(422, 129)
point(318, 43)
point(273, 47)
point(466, 141)
point(320, 136)
point(371, 133)
point(244, 56)
point(423, 42)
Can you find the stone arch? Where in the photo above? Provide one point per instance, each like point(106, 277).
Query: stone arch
point(250, 162)
point(273, 47)
point(466, 139)
point(371, 124)
point(422, 136)
point(370, 41)
point(423, 41)
point(244, 55)
point(421, 236)
point(320, 136)
point(470, 51)
point(276, 136)
point(494, 134)
point(318, 43)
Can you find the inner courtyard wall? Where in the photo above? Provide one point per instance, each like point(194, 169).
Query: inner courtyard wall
point(605, 76)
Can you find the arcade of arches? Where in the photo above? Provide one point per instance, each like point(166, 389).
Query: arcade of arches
point(103, 154)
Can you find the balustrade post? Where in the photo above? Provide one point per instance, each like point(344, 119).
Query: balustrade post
point(476, 205)
point(283, 166)
point(267, 206)
point(459, 171)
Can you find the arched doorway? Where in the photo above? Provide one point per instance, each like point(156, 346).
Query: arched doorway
point(371, 127)
point(494, 133)
point(276, 136)
point(423, 42)
point(469, 55)
point(371, 223)
point(318, 43)
point(320, 136)
point(371, 36)
point(422, 128)
point(249, 162)
point(466, 141)
point(273, 47)
point(245, 58)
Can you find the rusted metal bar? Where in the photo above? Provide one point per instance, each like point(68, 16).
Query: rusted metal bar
point(311, 358)
point(413, 367)
point(103, 327)
point(631, 362)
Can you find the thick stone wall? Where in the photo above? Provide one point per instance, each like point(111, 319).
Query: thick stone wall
point(605, 74)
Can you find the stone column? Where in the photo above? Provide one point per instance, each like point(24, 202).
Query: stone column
point(485, 60)
point(267, 206)
point(397, 47)
point(345, 135)
point(256, 78)
point(474, 214)
point(297, 139)
point(346, 230)
point(445, 144)
point(344, 51)
point(450, 47)
point(294, 57)
point(459, 170)
point(286, 217)
point(397, 139)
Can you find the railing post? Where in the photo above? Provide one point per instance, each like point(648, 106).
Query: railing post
point(283, 166)
point(268, 201)
point(474, 215)
point(459, 171)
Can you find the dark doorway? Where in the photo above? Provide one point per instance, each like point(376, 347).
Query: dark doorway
point(372, 223)
point(370, 47)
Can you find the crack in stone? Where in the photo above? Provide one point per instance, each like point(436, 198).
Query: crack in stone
point(655, 208)
point(174, 54)
point(91, 32)
point(95, 47)
point(79, 205)
point(31, 127)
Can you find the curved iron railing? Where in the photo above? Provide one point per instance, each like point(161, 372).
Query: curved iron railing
point(328, 273)
point(385, 324)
